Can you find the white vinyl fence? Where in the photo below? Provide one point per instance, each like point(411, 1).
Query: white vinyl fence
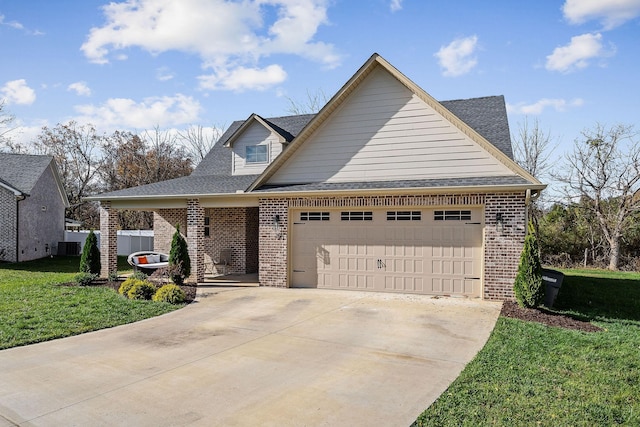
point(129, 241)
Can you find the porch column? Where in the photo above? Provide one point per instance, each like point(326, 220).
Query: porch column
point(195, 239)
point(108, 239)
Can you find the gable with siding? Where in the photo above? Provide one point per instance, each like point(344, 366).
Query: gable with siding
point(255, 134)
point(382, 132)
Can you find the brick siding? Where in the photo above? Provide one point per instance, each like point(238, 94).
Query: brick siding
point(501, 249)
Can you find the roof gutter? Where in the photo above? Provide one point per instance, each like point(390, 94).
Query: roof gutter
point(315, 193)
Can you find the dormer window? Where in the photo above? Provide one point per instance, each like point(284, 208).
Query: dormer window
point(256, 154)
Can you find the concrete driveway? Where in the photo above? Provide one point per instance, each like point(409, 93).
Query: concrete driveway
point(252, 356)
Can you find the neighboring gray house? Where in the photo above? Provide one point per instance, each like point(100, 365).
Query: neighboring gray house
point(32, 204)
point(384, 189)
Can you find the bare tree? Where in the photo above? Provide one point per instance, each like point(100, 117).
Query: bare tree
point(604, 172)
point(5, 127)
point(198, 140)
point(533, 148)
point(130, 160)
point(76, 149)
point(314, 102)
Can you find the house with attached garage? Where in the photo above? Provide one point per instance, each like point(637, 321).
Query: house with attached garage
point(32, 204)
point(384, 189)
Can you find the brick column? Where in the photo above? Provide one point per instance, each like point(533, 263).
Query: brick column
point(502, 249)
point(273, 268)
point(195, 239)
point(108, 239)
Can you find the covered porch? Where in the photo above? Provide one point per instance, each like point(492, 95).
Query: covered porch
point(221, 235)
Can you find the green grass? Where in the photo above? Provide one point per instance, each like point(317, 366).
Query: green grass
point(34, 307)
point(530, 374)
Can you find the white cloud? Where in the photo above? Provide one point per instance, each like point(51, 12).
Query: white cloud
point(577, 53)
point(242, 78)
point(18, 26)
point(80, 88)
point(13, 24)
point(457, 58)
point(559, 105)
point(611, 13)
point(17, 92)
point(228, 36)
point(395, 5)
point(164, 74)
point(127, 113)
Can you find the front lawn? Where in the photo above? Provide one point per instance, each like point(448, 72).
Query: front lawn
point(530, 374)
point(34, 307)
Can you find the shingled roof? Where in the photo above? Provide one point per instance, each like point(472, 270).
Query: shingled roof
point(486, 115)
point(22, 171)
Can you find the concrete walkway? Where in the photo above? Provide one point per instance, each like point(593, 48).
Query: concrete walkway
point(252, 356)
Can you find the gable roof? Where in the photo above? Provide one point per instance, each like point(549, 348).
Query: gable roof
point(373, 63)
point(218, 161)
point(22, 171)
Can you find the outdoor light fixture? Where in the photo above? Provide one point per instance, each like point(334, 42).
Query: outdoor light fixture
point(499, 222)
point(276, 223)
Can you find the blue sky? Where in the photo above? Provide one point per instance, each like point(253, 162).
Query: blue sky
point(136, 64)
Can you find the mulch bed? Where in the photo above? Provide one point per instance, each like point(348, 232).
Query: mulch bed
point(188, 288)
point(546, 317)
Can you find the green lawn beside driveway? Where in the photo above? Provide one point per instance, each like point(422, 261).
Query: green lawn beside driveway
point(35, 307)
point(530, 374)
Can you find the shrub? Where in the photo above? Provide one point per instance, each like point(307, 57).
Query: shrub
point(179, 258)
point(142, 290)
point(90, 260)
point(170, 293)
point(127, 285)
point(85, 279)
point(139, 275)
point(528, 285)
point(113, 276)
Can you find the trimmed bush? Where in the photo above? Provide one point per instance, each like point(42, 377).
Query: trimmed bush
point(90, 260)
point(528, 285)
point(127, 285)
point(141, 290)
point(179, 258)
point(170, 293)
point(85, 279)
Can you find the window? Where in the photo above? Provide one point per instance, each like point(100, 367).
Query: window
point(452, 215)
point(256, 154)
point(314, 216)
point(207, 228)
point(404, 215)
point(356, 216)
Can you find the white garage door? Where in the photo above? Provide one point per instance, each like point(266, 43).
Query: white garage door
point(425, 251)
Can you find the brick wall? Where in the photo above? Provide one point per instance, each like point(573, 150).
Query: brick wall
point(273, 243)
point(8, 223)
point(229, 228)
point(164, 225)
point(501, 251)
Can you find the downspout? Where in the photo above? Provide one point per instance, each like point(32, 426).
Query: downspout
point(19, 198)
point(528, 198)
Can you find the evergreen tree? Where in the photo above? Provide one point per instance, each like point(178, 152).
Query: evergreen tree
point(179, 261)
point(90, 260)
point(528, 285)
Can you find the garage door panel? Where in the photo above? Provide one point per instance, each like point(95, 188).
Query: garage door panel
point(419, 256)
